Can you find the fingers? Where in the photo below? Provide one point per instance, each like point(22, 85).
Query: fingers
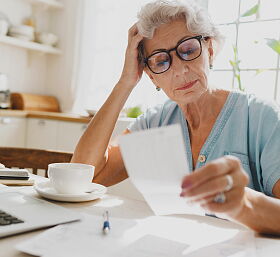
point(223, 177)
point(134, 38)
point(211, 170)
point(135, 41)
point(133, 34)
point(232, 204)
point(211, 187)
point(133, 68)
point(231, 207)
point(133, 30)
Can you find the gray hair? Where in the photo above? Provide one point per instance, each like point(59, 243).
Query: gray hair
point(159, 12)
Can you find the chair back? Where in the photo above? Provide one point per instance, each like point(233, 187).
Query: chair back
point(33, 159)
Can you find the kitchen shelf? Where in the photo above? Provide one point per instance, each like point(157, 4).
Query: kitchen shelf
point(29, 45)
point(48, 3)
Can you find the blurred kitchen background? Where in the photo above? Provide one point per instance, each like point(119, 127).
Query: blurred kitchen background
point(59, 60)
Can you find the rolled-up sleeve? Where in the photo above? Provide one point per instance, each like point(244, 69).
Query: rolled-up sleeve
point(270, 158)
point(267, 143)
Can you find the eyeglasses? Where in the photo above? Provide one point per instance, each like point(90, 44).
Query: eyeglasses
point(187, 50)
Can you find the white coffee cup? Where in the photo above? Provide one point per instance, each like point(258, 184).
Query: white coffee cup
point(70, 178)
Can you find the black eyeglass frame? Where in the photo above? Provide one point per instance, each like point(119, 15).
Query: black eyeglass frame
point(199, 38)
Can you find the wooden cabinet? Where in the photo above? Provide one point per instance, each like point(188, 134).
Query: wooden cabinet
point(121, 125)
point(12, 131)
point(47, 133)
point(68, 135)
point(41, 133)
point(53, 134)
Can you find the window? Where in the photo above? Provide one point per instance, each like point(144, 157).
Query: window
point(259, 64)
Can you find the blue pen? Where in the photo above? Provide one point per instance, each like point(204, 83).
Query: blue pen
point(106, 224)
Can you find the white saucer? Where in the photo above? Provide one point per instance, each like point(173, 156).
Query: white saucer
point(44, 189)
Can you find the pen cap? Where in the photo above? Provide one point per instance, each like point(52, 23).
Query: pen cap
point(106, 225)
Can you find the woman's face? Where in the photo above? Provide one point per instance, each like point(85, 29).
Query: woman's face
point(185, 81)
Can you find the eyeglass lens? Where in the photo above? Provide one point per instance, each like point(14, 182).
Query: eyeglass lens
point(187, 50)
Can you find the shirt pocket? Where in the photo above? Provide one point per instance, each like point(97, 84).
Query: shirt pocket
point(241, 156)
point(244, 159)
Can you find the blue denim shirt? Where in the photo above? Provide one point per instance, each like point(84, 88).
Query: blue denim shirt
point(247, 127)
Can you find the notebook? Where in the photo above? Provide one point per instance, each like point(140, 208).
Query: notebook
point(20, 213)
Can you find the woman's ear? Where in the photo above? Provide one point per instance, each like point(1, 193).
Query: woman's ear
point(210, 50)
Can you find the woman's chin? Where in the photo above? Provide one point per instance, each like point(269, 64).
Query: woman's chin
point(188, 97)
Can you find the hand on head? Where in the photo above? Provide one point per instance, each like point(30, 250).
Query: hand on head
point(219, 186)
point(132, 70)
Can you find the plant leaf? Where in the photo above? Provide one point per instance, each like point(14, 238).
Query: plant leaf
point(251, 11)
point(232, 63)
point(259, 71)
point(273, 44)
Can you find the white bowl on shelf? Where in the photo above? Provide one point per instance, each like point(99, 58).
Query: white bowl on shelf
point(46, 38)
point(22, 32)
point(91, 112)
point(4, 27)
point(22, 37)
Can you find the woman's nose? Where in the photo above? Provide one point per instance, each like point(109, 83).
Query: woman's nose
point(179, 66)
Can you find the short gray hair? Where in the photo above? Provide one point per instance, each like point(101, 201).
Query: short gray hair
point(159, 12)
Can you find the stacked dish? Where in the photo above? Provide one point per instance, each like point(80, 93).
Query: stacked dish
point(46, 38)
point(23, 32)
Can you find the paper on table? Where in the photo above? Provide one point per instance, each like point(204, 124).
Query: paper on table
point(82, 238)
point(150, 237)
point(156, 162)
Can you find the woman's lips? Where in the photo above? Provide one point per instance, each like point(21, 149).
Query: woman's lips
point(188, 85)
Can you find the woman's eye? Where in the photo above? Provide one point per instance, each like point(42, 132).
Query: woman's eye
point(162, 63)
point(188, 51)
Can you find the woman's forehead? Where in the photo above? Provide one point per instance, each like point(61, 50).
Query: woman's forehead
point(167, 36)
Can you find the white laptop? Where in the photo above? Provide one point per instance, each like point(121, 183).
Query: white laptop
point(20, 213)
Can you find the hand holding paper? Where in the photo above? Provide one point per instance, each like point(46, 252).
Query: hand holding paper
point(156, 162)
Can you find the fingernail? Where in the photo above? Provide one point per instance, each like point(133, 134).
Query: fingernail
point(186, 184)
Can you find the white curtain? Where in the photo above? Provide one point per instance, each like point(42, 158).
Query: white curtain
point(102, 41)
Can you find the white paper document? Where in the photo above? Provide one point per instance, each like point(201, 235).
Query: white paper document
point(150, 237)
point(156, 163)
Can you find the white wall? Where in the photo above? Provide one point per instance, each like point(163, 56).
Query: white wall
point(61, 73)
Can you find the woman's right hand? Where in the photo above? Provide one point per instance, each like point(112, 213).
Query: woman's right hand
point(132, 70)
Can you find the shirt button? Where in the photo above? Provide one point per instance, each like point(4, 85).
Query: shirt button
point(201, 158)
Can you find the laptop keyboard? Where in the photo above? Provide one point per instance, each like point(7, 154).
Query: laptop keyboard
point(7, 219)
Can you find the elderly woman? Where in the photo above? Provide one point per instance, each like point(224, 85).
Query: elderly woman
point(232, 139)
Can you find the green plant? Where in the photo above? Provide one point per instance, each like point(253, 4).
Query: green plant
point(235, 62)
point(252, 11)
point(273, 44)
point(235, 66)
point(134, 112)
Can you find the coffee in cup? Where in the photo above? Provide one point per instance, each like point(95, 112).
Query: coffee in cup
point(70, 178)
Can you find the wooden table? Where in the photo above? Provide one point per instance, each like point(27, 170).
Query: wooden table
point(124, 207)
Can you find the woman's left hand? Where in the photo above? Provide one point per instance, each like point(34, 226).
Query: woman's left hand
point(219, 186)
